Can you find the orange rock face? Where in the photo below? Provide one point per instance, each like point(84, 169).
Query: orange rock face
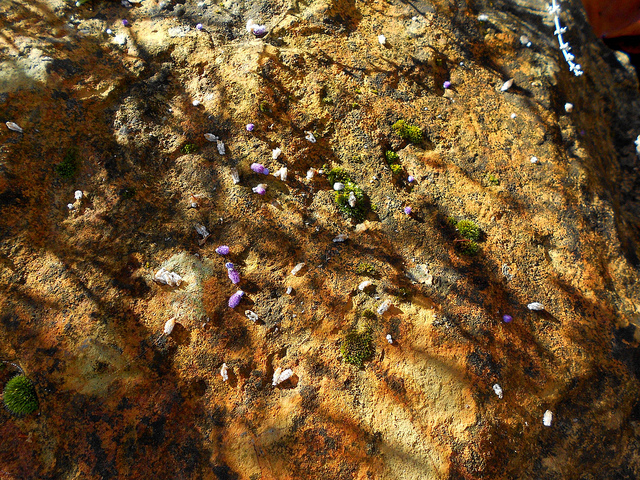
point(120, 114)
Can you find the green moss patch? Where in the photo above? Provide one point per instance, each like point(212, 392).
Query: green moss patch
point(410, 133)
point(70, 164)
point(357, 347)
point(19, 396)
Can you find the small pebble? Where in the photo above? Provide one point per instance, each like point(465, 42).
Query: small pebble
point(309, 136)
point(483, 18)
point(250, 127)
point(297, 268)
point(224, 372)
point(70, 206)
point(546, 419)
point(506, 318)
point(195, 103)
point(276, 153)
point(534, 159)
point(568, 107)
point(338, 186)
point(536, 306)
point(513, 115)
point(389, 338)
point(382, 40)
point(78, 194)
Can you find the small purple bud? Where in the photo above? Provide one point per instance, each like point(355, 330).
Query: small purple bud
point(407, 210)
point(446, 84)
point(234, 300)
point(259, 168)
point(411, 179)
point(222, 250)
point(199, 26)
point(506, 318)
point(125, 22)
point(260, 189)
point(229, 266)
point(259, 31)
point(250, 127)
point(234, 276)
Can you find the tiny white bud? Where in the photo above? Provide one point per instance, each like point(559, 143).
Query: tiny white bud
point(506, 85)
point(382, 39)
point(568, 107)
point(78, 194)
point(546, 419)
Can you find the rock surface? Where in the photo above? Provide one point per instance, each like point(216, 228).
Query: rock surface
point(113, 115)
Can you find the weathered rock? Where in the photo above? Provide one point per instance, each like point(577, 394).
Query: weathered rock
point(79, 313)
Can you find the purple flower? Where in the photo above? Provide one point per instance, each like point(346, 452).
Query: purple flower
point(250, 127)
point(259, 168)
point(222, 250)
point(259, 31)
point(199, 26)
point(411, 179)
point(261, 189)
point(234, 300)
point(407, 210)
point(234, 276)
point(125, 22)
point(506, 318)
point(446, 84)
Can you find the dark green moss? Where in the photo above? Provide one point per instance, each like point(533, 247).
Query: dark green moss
point(357, 347)
point(468, 229)
point(337, 174)
point(19, 396)
point(70, 164)
point(409, 132)
point(264, 107)
point(127, 193)
point(190, 148)
point(365, 269)
point(468, 247)
point(493, 180)
point(391, 157)
point(359, 211)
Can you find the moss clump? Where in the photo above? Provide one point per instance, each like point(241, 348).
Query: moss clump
point(368, 314)
point(190, 148)
point(409, 132)
point(493, 180)
point(366, 269)
point(357, 347)
point(70, 164)
point(469, 234)
point(337, 174)
point(396, 169)
point(469, 247)
point(468, 229)
point(359, 210)
point(127, 193)
point(19, 396)
point(391, 157)
point(264, 107)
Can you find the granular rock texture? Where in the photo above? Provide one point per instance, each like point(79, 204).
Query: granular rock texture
point(120, 113)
